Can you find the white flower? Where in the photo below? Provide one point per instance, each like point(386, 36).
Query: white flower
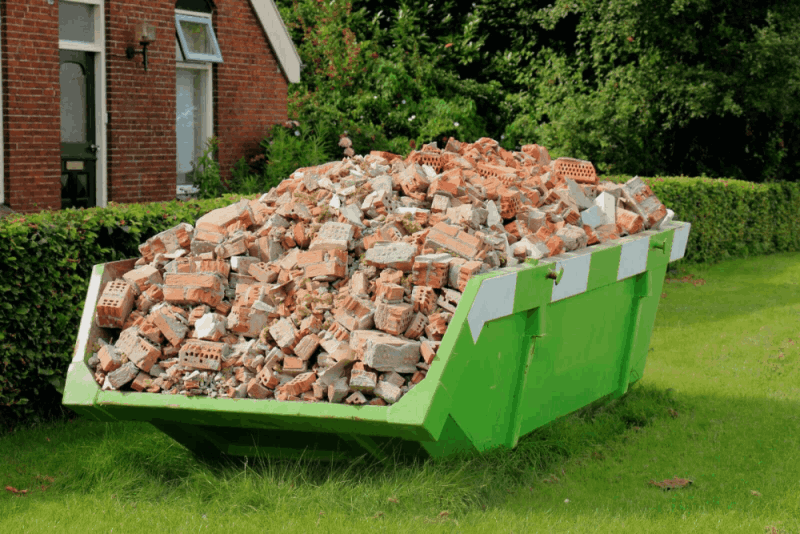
point(503, 136)
point(411, 118)
point(375, 97)
point(404, 101)
point(455, 124)
point(297, 133)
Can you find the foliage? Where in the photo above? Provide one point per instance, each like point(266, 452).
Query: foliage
point(732, 218)
point(243, 181)
point(205, 175)
point(296, 145)
point(652, 86)
point(47, 261)
point(657, 87)
point(382, 78)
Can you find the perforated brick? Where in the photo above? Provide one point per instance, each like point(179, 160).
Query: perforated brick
point(203, 354)
point(577, 170)
point(115, 303)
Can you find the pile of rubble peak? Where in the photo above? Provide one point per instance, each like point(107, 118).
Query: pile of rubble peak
point(339, 283)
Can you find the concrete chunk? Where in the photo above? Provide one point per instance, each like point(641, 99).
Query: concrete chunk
point(573, 237)
point(398, 256)
point(578, 196)
point(608, 208)
point(333, 235)
point(388, 392)
point(338, 390)
point(385, 352)
point(363, 381)
point(123, 375)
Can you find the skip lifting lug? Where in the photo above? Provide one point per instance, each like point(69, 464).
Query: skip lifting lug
point(555, 275)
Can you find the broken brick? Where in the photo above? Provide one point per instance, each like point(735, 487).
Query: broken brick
point(353, 267)
point(197, 354)
point(424, 299)
point(115, 303)
point(193, 289)
point(453, 240)
point(398, 256)
point(431, 270)
point(393, 318)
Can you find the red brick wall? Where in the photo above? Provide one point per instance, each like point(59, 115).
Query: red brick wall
point(249, 88)
point(31, 105)
point(249, 95)
point(141, 105)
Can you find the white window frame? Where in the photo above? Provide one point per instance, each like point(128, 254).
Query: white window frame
point(198, 18)
point(208, 120)
point(101, 110)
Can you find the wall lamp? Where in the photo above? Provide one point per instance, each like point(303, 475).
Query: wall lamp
point(147, 34)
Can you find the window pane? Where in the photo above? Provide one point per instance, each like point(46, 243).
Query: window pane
point(189, 126)
point(76, 22)
point(197, 38)
point(73, 103)
point(193, 5)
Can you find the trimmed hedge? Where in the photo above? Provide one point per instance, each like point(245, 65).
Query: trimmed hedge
point(731, 218)
point(46, 260)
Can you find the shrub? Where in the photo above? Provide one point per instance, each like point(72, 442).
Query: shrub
point(382, 78)
point(655, 87)
point(47, 260)
point(205, 174)
point(295, 145)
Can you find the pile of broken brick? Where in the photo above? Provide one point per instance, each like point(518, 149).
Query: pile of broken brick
point(338, 285)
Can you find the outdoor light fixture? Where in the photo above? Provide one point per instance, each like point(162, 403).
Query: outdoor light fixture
point(146, 33)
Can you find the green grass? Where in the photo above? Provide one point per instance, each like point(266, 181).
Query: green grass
point(724, 356)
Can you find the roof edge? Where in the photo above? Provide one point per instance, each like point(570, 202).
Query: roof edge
point(270, 18)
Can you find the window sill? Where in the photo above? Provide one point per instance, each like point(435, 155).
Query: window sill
point(186, 192)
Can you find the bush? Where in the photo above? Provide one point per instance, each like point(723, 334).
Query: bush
point(295, 145)
point(732, 218)
point(654, 87)
point(47, 260)
point(382, 79)
point(205, 175)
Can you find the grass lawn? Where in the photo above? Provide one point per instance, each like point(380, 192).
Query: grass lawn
point(719, 404)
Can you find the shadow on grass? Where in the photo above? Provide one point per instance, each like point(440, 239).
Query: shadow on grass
point(90, 455)
point(708, 437)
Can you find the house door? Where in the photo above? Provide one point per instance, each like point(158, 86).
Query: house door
point(78, 143)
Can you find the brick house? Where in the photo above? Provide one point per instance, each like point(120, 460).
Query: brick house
point(85, 119)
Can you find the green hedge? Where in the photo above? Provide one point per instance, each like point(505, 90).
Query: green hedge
point(731, 218)
point(46, 260)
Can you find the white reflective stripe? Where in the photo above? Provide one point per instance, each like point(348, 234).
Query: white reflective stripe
point(633, 258)
point(495, 299)
point(679, 240)
point(575, 279)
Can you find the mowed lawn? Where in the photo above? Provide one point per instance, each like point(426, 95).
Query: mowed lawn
point(719, 404)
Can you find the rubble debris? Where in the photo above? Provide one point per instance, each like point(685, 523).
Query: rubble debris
point(338, 284)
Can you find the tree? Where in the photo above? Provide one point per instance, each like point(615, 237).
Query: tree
point(650, 86)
